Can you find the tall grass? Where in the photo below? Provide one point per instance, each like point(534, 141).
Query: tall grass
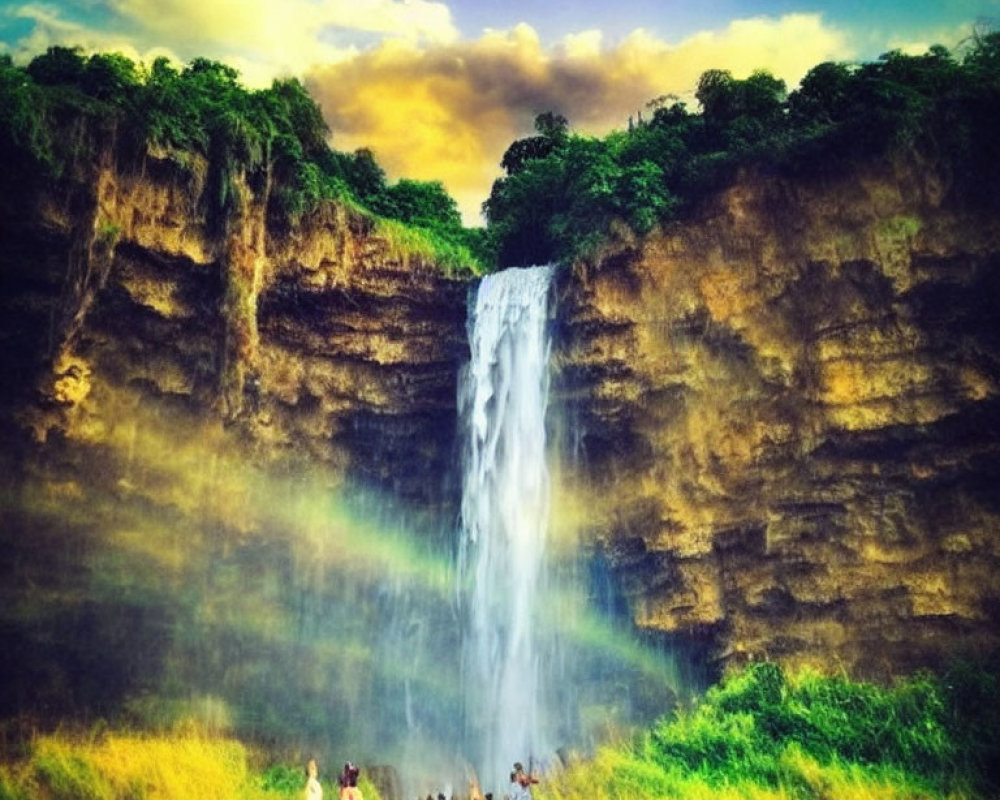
point(407, 241)
point(762, 734)
point(179, 766)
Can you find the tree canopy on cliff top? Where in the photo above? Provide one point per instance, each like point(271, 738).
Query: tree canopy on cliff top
point(563, 194)
point(276, 137)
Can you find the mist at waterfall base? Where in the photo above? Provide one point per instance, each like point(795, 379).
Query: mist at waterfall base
point(163, 576)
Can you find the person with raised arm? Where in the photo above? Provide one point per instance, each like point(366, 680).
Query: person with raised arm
point(521, 783)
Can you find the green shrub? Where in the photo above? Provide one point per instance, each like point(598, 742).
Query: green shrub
point(67, 776)
point(283, 779)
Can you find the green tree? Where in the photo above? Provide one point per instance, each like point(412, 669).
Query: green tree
point(58, 66)
point(823, 96)
point(552, 126)
point(424, 203)
point(364, 175)
point(717, 94)
point(762, 96)
point(553, 131)
point(111, 77)
point(519, 211)
point(25, 139)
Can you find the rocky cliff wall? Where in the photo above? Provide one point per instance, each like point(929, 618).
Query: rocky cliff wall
point(192, 415)
point(784, 416)
point(322, 344)
point(779, 420)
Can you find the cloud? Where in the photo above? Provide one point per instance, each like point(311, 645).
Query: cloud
point(51, 27)
point(449, 111)
point(262, 38)
point(951, 37)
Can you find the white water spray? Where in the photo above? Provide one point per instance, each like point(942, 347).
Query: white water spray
point(505, 506)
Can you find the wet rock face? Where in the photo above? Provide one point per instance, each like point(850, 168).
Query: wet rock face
point(789, 413)
point(319, 345)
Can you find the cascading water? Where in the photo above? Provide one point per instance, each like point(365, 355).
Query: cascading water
point(505, 504)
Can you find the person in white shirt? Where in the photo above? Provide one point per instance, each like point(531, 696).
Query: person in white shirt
point(314, 791)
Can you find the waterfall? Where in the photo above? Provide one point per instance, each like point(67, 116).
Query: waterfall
point(503, 397)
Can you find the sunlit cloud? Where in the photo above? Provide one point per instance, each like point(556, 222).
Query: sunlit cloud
point(448, 112)
point(262, 38)
point(951, 37)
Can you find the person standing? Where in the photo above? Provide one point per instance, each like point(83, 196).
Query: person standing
point(314, 790)
point(349, 783)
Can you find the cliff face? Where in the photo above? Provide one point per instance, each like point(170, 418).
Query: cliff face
point(781, 421)
point(323, 344)
point(786, 417)
point(188, 409)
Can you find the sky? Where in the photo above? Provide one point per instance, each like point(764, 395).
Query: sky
point(439, 88)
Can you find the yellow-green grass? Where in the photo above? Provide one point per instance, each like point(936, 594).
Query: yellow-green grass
point(409, 241)
point(184, 765)
point(618, 774)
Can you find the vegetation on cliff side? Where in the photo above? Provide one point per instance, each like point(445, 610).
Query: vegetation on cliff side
point(63, 107)
point(564, 194)
point(762, 734)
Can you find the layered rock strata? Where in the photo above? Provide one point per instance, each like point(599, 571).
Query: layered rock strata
point(323, 343)
point(780, 419)
point(785, 415)
point(209, 432)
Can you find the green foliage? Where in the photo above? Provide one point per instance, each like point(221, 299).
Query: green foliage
point(423, 203)
point(579, 191)
point(763, 734)
point(58, 66)
point(23, 128)
point(274, 139)
point(68, 776)
point(283, 779)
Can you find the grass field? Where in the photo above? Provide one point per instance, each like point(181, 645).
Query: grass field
point(759, 735)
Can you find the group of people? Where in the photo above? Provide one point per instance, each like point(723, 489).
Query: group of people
point(520, 784)
point(348, 780)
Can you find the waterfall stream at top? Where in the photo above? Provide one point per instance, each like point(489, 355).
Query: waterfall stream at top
point(505, 506)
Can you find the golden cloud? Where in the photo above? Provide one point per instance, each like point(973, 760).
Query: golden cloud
point(262, 38)
point(448, 112)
